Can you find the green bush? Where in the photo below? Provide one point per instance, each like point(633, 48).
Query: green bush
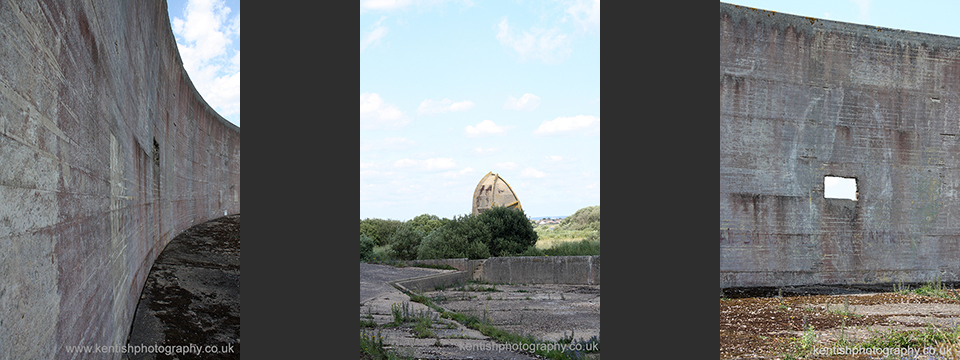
point(380, 230)
point(509, 231)
point(532, 251)
point(449, 242)
point(405, 242)
point(366, 247)
point(498, 231)
point(370, 230)
point(426, 222)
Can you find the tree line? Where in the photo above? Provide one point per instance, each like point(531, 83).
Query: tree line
point(495, 232)
point(498, 231)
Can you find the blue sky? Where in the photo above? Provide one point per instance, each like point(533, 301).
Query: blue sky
point(208, 38)
point(451, 90)
point(934, 17)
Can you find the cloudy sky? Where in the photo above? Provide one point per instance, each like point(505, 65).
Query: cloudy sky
point(451, 90)
point(208, 38)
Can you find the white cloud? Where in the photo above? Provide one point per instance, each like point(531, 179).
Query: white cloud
point(506, 165)
point(204, 37)
point(532, 173)
point(485, 127)
point(554, 158)
point(580, 124)
point(427, 165)
point(383, 4)
point(526, 102)
point(454, 174)
point(374, 36)
point(394, 143)
point(549, 46)
point(376, 114)
point(429, 107)
point(585, 14)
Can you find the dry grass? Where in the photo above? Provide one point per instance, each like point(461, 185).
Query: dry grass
point(544, 244)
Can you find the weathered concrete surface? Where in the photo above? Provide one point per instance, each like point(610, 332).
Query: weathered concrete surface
point(192, 293)
point(541, 270)
point(802, 98)
point(106, 153)
point(549, 312)
point(457, 341)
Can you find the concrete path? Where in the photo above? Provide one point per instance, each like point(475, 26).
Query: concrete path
point(192, 295)
point(455, 340)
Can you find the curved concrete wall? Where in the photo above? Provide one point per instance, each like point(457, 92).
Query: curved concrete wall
point(106, 153)
point(802, 98)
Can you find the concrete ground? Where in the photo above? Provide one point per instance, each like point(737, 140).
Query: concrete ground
point(549, 312)
point(546, 311)
point(192, 295)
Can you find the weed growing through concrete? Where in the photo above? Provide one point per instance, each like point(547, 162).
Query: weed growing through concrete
point(371, 347)
point(401, 313)
point(932, 288)
point(592, 345)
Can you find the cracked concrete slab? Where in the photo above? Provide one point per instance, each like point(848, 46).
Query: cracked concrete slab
point(549, 312)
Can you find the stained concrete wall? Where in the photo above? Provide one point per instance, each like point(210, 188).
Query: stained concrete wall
point(802, 98)
point(542, 270)
point(106, 153)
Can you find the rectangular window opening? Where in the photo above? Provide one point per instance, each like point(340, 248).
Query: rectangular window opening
point(835, 187)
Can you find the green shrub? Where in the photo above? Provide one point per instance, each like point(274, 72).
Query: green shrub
point(380, 230)
point(426, 222)
point(509, 231)
point(405, 242)
point(366, 247)
point(448, 242)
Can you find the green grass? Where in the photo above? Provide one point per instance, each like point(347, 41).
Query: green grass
point(917, 339)
point(933, 289)
point(371, 347)
point(945, 341)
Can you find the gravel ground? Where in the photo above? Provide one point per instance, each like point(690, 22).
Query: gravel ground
point(769, 326)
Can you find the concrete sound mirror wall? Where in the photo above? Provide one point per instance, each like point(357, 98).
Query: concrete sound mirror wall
point(802, 99)
point(106, 153)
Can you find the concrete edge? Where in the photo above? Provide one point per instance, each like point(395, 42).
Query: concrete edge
point(430, 282)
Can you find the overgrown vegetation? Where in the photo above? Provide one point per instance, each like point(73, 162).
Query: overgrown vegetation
point(371, 347)
point(933, 288)
point(496, 232)
point(944, 341)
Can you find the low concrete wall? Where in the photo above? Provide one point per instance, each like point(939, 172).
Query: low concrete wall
point(107, 152)
point(583, 270)
point(542, 270)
